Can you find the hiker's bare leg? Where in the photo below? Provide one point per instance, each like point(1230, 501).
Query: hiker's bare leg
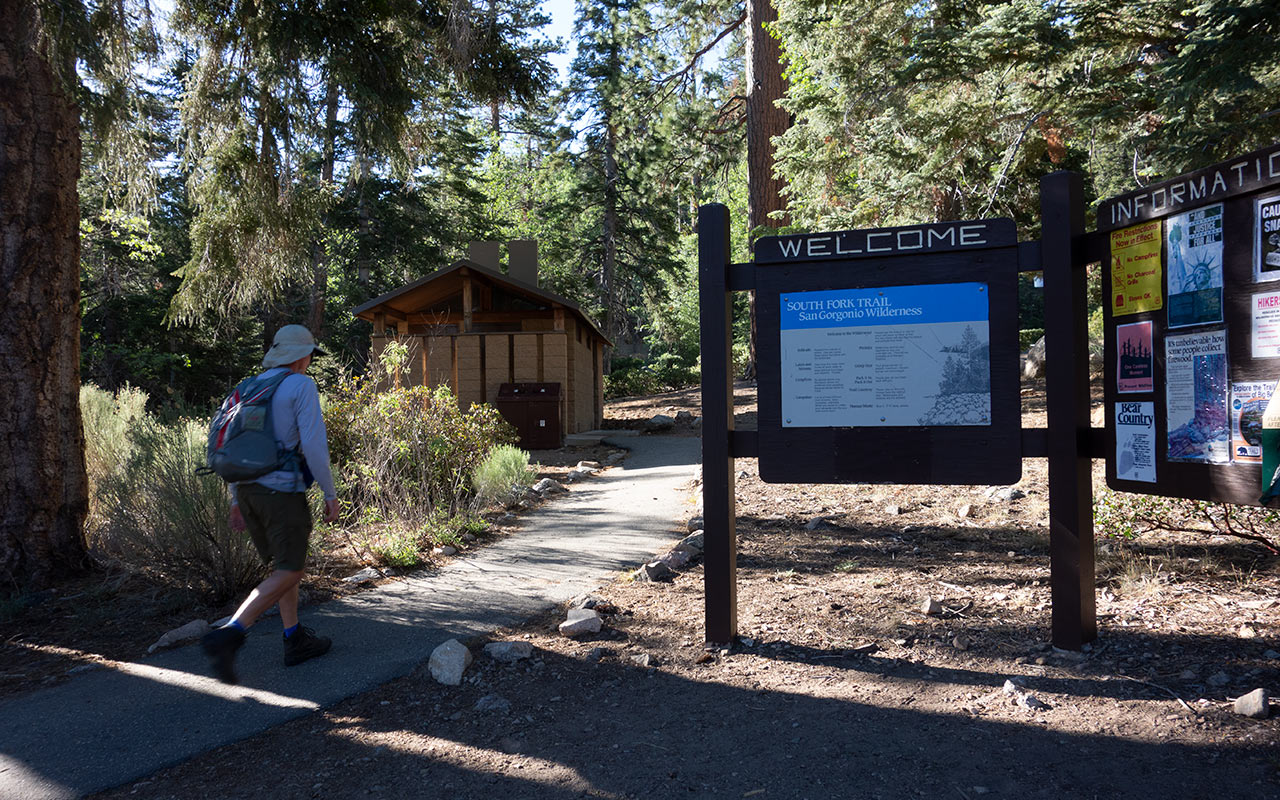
point(288, 603)
point(267, 594)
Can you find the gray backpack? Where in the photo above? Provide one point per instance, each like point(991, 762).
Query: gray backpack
point(242, 440)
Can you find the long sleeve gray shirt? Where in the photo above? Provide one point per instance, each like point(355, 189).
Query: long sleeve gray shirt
point(296, 416)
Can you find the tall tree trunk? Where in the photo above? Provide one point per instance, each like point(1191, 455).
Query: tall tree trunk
point(320, 264)
point(608, 278)
point(765, 86)
point(42, 474)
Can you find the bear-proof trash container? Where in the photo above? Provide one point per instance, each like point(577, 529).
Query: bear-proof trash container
point(534, 408)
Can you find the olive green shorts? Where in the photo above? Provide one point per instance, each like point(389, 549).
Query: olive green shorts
point(279, 524)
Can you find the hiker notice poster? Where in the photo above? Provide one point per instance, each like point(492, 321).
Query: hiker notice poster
point(890, 356)
point(1135, 269)
point(1265, 340)
point(1136, 442)
point(1135, 361)
point(1266, 239)
point(1194, 242)
point(1196, 397)
point(1248, 403)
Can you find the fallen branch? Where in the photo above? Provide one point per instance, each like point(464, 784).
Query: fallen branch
point(1164, 689)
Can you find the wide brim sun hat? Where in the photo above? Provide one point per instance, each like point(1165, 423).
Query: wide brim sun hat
point(292, 342)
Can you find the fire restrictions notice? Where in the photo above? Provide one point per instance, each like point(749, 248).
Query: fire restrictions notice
point(889, 356)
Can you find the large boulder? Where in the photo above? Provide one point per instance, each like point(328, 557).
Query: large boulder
point(1033, 366)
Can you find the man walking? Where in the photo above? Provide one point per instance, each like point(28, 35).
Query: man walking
point(274, 508)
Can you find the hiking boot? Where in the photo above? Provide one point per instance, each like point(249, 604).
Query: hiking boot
point(220, 645)
point(304, 644)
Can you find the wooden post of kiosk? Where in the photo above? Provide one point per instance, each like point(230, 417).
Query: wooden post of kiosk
point(1066, 315)
point(719, 507)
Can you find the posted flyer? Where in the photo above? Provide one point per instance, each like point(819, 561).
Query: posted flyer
point(1266, 238)
point(1136, 441)
point(1265, 341)
point(1248, 404)
point(1135, 269)
point(1135, 363)
point(889, 356)
point(1194, 240)
point(1196, 397)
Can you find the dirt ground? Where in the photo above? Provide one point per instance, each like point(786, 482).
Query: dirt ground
point(840, 686)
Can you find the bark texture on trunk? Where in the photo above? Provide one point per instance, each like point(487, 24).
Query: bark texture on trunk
point(765, 120)
point(765, 86)
point(42, 471)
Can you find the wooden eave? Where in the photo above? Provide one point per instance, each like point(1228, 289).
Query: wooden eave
point(408, 303)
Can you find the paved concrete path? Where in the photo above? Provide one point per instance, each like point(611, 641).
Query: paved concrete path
point(110, 726)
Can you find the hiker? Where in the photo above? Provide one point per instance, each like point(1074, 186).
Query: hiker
point(274, 507)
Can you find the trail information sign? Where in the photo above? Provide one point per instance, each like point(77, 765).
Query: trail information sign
point(889, 355)
point(1192, 330)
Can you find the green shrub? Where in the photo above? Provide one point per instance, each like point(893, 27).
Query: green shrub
point(161, 518)
point(107, 444)
point(631, 377)
point(1028, 337)
point(1127, 516)
point(400, 455)
point(397, 548)
point(502, 476)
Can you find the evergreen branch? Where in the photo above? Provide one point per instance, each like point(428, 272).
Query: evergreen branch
point(1004, 172)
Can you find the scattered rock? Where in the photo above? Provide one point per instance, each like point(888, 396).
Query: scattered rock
point(1272, 655)
point(693, 542)
point(1255, 704)
point(1012, 686)
point(1005, 494)
point(192, 630)
point(591, 465)
point(448, 661)
point(684, 417)
point(1032, 703)
point(547, 485)
point(965, 511)
point(815, 523)
point(1187, 675)
point(363, 576)
point(705, 658)
point(696, 424)
point(469, 538)
point(961, 642)
point(930, 607)
point(493, 702)
point(577, 474)
point(1248, 632)
point(508, 652)
point(581, 621)
point(643, 660)
point(507, 519)
point(595, 654)
point(588, 601)
point(694, 524)
point(1219, 679)
point(658, 423)
point(655, 571)
point(893, 510)
point(677, 558)
point(446, 550)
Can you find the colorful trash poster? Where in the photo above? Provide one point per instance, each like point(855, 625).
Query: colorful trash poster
point(1194, 242)
point(1196, 397)
point(1136, 442)
point(1135, 270)
point(1266, 238)
point(1265, 339)
point(1135, 363)
point(1248, 404)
